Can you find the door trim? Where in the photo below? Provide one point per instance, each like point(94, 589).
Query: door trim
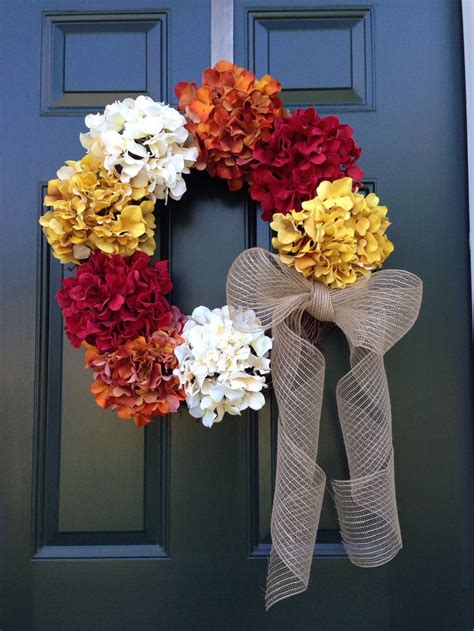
point(468, 30)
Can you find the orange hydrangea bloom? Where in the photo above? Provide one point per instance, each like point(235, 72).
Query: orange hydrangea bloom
point(136, 380)
point(230, 115)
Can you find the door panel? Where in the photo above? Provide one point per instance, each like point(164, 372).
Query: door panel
point(132, 47)
point(107, 527)
point(384, 90)
point(295, 42)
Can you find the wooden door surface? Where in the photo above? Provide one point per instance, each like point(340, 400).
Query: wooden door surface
point(103, 526)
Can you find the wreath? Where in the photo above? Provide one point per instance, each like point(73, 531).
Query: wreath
point(147, 357)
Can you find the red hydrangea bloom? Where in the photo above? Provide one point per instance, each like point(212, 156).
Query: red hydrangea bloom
point(304, 150)
point(114, 299)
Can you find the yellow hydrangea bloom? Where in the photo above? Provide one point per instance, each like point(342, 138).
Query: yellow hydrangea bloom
point(336, 237)
point(92, 210)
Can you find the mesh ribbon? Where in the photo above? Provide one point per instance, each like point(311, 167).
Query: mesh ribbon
point(374, 314)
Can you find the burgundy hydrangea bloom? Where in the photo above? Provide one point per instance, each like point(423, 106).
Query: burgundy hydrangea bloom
point(304, 150)
point(114, 299)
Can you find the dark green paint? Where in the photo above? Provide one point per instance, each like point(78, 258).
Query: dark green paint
point(106, 528)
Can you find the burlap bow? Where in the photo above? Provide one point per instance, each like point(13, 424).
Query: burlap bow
point(374, 314)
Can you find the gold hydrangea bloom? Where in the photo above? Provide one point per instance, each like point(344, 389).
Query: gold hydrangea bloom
point(92, 210)
point(336, 237)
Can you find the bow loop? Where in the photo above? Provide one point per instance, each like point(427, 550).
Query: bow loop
point(375, 313)
point(257, 280)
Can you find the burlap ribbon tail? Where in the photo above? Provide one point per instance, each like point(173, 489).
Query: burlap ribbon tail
point(374, 314)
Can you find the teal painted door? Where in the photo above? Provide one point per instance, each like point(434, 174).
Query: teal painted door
point(105, 527)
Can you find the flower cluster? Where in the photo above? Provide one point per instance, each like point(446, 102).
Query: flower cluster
point(136, 379)
point(222, 369)
point(231, 115)
point(112, 300)
point(336, 237)
point(93, 210)
point(143, 142)
point(304, 150)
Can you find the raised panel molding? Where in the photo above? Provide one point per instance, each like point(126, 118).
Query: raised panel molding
point(52, 535)
point(131, 47)
point(288, 44)
point(262, 437)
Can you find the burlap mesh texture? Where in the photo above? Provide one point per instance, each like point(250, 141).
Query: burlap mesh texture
point(374, 314)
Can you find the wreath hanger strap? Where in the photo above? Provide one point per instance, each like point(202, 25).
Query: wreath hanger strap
point(374, 314)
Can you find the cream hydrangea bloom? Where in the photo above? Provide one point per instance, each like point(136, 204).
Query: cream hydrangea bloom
point(222, 369)
point(143, 142)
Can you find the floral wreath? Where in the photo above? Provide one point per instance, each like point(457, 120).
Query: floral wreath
point(147, 357)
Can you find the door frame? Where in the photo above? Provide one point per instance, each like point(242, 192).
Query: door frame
point(468, 46)
point(468, 31)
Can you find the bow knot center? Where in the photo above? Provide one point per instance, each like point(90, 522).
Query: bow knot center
point(320, 303)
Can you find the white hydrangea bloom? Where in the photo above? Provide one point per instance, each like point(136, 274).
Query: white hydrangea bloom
point(143, 142)
point(222, 369)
